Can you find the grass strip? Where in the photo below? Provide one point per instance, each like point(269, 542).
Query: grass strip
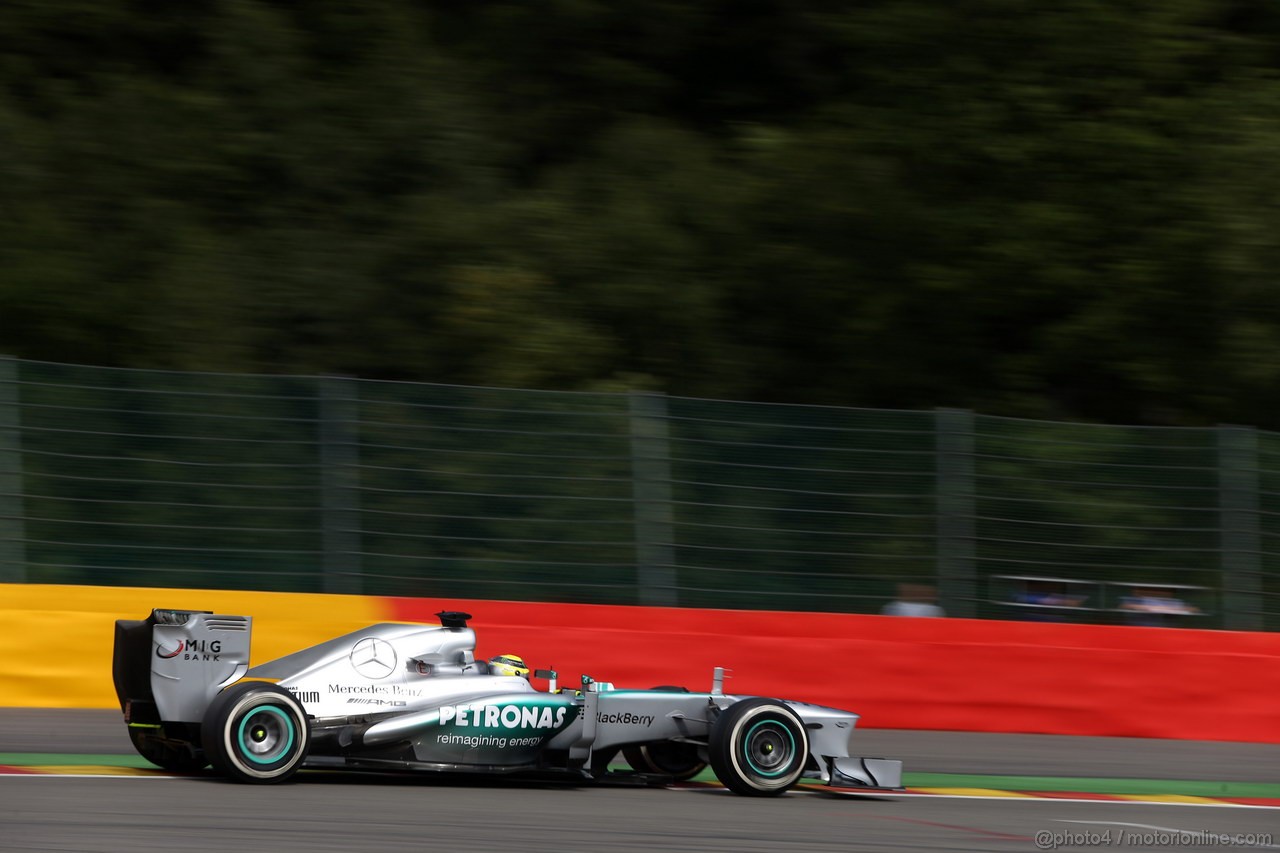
point(1058, 784)
point(64, 759)
point(1187, 788)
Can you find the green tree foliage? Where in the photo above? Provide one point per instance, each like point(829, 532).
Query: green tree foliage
point(1062, 211)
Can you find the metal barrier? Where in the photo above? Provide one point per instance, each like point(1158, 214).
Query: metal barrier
point(127, 477)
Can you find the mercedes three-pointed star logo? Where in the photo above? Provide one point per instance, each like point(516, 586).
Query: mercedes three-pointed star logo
point(373, 658)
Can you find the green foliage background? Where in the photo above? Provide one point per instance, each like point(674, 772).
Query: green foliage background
point(1048, 210)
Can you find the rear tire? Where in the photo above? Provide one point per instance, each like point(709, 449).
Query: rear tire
point(759, 747)
point(256, 732)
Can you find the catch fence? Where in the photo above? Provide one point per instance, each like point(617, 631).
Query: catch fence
point(150, 478)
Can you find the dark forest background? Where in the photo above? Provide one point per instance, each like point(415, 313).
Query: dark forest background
point(1066, 210)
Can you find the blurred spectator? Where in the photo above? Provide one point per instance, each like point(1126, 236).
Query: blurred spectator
point(1155, 607)
point(914, 599)
point(1047, 601)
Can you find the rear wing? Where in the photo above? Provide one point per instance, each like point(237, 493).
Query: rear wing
point(169, 666)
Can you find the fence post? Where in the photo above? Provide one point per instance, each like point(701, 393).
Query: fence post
point(1240, 540)
point(957, 585)
point(339, 412)
point(13, 562)
point(651, 495)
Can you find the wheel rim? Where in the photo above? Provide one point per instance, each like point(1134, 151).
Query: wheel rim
point(769, 748)
point(266, 735)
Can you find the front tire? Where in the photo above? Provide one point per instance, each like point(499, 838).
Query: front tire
point(758, 747)
point(256, 732)
point(680, 761)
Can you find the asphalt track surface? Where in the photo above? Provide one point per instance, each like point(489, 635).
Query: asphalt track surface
point(370, 812)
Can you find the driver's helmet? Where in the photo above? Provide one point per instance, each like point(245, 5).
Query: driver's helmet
point(508, 665)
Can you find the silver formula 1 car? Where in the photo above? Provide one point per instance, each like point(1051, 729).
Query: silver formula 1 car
point(413, 697)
